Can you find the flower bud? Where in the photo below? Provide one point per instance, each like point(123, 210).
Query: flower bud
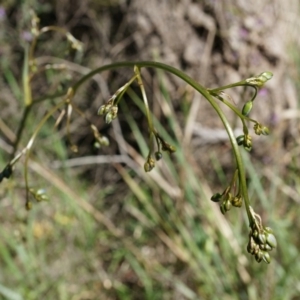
point(268, 230)
point(114, 111)
point(101, 110)
point(262, 238)
point(108, 117)
point(227, 205)
point(237, 201)
point(158, 155)
point(216, 197)
point(248, 148)
point(240, 140)
point(265, 130)
point(259, 256)
point(271, 240)
point(247, 108)
point(149, 164)
point(147, 167)
point(167, 147)
point(266, 257)
point(265, 76)
point(222, 208)
point(104, 141)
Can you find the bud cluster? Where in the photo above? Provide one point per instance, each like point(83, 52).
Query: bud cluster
point(260, 129)
point(162, 145)
point(149, 164)
point(228, 200)
point(261, 242)
point(110, 110)
point(245, 140)
point(39, 195)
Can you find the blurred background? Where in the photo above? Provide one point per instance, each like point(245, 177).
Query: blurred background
point(110, 231)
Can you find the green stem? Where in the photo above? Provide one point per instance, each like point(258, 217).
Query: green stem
point(204, 92)
point(20, 130)
point(31, 141)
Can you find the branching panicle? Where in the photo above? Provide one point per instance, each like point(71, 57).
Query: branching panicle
point(261, 239)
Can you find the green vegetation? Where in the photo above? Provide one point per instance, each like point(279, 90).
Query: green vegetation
point(124, 233)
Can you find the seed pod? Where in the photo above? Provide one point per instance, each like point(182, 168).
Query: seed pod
point(247, 108)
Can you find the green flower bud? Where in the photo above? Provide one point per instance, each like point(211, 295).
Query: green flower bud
point(216, 197)
point(108, 117)
point(104, 141)
point(158, 155)
point(114, 111)
point(265, 130)
point(248, 148)
point(247, 108)
point(228, 205)
point(259, 256)
point(240, 140)
point(97, 145)
point(223, 209)
point(101, 110)
point(266, 257)
point(237, 201)
point(149, 164)
point(262, 238)
point(271, 240)
point(268, 247)
point(260, 80)
point(257, 128)
point(268, 230)
point(167, 147)
point(147, 167)
point(265, 76)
